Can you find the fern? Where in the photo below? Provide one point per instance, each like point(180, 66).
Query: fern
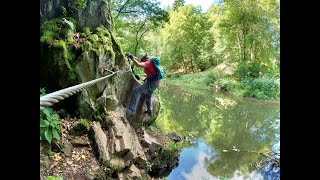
point(69, 23)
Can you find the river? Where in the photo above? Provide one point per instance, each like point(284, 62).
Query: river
point(214, 124)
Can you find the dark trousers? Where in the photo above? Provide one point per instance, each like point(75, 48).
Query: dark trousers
point(147, 89)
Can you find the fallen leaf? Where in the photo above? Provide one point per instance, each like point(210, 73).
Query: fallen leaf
point(56, 157)
point(53, 164)
point(69, 162)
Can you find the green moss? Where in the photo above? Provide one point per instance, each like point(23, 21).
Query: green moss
point(50, 30)
point(116, 163)
point(56, 29)
point(69, 37)
point(93, 38)
point(105, 40)
point(47, 36)
point(86, 46)
point(82, 127)
point(102, 31)
point(54, 32)
point(110, 51)
point(99, 42)
point(52, 25)
point(86, 31)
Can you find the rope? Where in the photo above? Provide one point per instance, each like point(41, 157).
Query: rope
point(50, 99)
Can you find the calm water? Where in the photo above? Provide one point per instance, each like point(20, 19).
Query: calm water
point(214, 122)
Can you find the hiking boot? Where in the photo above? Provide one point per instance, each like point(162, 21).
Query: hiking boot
point(130, 112)
point(149, 113)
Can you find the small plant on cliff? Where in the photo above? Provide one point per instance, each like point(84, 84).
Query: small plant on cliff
point(49, 124)
point(64, 10)
point(149, 166)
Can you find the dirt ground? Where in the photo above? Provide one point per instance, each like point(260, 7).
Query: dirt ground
point(81, 162)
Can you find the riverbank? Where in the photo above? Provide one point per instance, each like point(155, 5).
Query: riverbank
point(221, 78)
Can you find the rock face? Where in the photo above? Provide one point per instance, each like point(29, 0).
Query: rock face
point(88, 14)
point(51, 8)
point(101, 141)
point(130, 153)
point(97, 12)
point(120, 139)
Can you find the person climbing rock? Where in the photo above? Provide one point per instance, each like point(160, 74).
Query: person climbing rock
point(151, 83)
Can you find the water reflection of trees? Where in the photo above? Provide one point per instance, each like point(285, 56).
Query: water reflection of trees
point(247, 125)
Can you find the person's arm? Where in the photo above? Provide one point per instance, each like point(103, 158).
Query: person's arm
point(137, 63)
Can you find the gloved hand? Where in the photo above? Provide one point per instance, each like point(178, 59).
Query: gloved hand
point(129, 55)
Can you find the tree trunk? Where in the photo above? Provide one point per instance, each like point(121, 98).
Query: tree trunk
point(240, 47)
point(192, 65)
point(244, 45)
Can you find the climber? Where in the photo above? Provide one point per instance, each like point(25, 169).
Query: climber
point(149, 86)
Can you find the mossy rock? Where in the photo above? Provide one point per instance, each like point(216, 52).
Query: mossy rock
point(82, 127)
point(117, 164)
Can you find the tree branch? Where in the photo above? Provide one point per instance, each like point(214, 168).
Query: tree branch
point(137, 40)
point(127, 11)
point(121, 8)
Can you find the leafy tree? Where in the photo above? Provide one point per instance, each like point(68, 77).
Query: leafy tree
point(251, 34)
point(177, 4)
point(134, 18)
point(182, 38)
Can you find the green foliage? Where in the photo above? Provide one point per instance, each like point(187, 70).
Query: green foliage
point(172, 146)
point(134, 19)
point(42, 91)
point(149, 166)
point(266, 87)
point(181, 46)
point(262, 88)
point(64, 10)
point(54, 178)
point(226, 84)
point(49, 124)
point(246, 32)
point(177, 4)
point(86, 32)
point(69, 23)
point(108, 170)
point(213, 76)
point(137, 9)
